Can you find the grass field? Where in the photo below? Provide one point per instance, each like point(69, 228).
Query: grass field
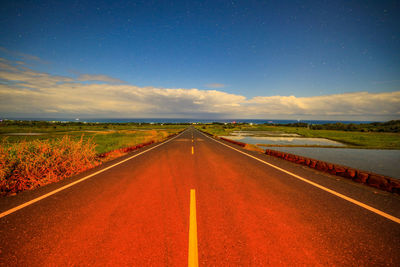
point(106, 136)
point(376, 140)
point(29, 161)
point(54, 127)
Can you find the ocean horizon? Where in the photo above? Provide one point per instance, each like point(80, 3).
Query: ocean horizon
point(183, 120)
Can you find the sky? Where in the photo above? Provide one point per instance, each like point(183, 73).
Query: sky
point(333, 60)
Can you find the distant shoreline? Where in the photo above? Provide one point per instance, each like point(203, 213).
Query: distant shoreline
point(180, 120)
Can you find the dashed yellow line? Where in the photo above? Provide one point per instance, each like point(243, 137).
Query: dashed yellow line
point(193, 258)
point(192, 150)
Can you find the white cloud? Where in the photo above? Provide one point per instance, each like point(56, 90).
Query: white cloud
point(348, 104)
point(24, 92)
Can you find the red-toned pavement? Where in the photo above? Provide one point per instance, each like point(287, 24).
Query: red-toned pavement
point(248, 214)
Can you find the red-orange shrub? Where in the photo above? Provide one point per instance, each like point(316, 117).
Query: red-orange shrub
point(27, 165)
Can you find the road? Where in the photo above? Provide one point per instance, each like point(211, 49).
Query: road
point(247, 214)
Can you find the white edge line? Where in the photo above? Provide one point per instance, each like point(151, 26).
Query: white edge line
point(7, 212)
point(358, 203)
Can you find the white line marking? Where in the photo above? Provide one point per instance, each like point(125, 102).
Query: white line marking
point(7, 212)
point(193, 258)
point(358, 203)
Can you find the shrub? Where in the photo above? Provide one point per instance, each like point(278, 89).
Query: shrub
point(27, 165)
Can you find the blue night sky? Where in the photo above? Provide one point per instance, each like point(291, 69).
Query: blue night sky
point(202, 58)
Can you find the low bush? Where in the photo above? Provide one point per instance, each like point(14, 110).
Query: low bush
point(27, 165)
point(30, 164)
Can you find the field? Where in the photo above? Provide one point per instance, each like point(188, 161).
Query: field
point(106, 136)
point(36, 154)
point(373, 140)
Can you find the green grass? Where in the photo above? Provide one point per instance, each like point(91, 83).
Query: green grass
point(356, 139)
point(112, 141)
point(48, 127)
point(217, 129)
point(105, 139)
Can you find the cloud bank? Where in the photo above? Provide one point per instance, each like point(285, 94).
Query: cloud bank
point(26, 93)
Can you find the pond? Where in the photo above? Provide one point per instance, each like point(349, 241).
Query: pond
point(262, 133)
point(284, 140)
point(385, 162)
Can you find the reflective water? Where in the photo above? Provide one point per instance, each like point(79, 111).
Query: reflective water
point(385, 162)
point(262, 133)
point(283, 140)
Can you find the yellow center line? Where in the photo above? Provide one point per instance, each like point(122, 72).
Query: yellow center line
point(193, 259)
point(192, 150)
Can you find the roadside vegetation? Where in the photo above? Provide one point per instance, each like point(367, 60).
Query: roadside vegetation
point(106, 136)
point(27, 165)
point(374, 138)
point(30, 161)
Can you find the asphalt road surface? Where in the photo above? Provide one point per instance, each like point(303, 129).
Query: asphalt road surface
point(242, 212)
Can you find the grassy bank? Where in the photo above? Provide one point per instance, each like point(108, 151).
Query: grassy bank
point(376, 140)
